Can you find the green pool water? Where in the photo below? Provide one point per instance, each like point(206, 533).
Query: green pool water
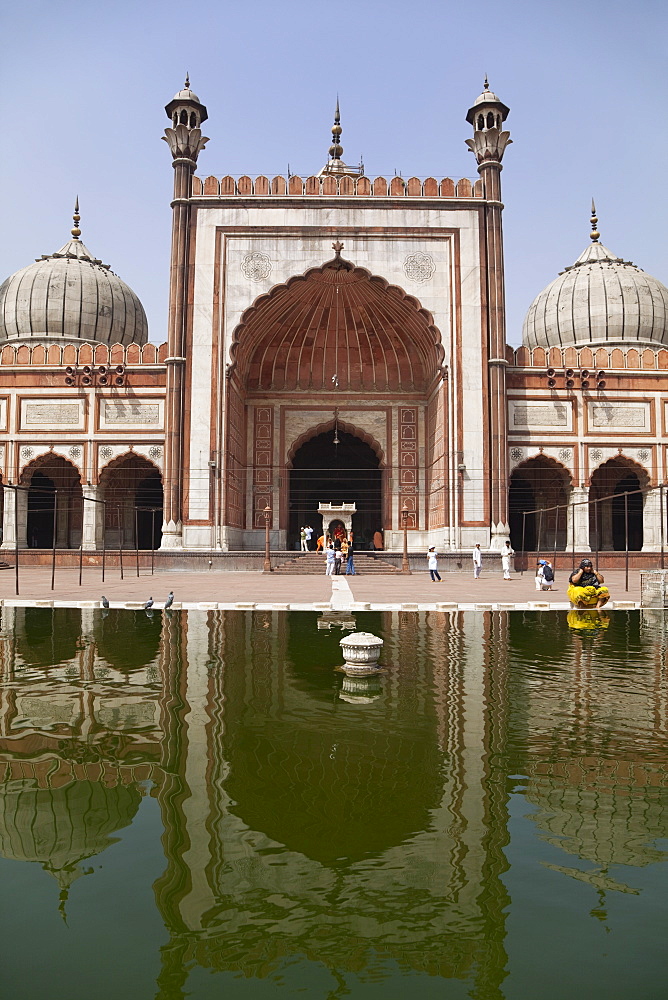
point(201, 805)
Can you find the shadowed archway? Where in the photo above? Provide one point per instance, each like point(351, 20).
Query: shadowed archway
point(539, 484)
point(54, 502)
point(324, 472)
point(611, 520)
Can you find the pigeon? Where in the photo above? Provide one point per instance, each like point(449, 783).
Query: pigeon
point(149, 604)
point(105, 601)
point(170, 600)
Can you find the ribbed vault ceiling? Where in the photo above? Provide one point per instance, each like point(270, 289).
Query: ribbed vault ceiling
point(341, 321)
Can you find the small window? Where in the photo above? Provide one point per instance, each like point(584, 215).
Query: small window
point(184, 117)
point(481, 123)
point(176, 119)
point(490, 120)
point(193, 119)
point(498, 121)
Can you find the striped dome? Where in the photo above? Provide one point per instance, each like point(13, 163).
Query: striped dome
point(600, 299)
point(73, 296)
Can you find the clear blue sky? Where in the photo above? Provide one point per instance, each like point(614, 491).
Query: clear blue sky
point(84, 86)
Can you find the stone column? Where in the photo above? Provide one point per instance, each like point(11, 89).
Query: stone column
point(488, 145)
point(578, 520)
point(93, 520)
point(185, 145)
point(651, 522)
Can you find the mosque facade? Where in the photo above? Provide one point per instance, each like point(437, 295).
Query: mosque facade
point(333, 338)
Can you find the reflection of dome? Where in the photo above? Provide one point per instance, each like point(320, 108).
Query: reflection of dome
point(60, 827)
point(70, 294)
point(600, 299)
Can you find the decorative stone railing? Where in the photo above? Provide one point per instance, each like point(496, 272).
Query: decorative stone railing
point(605, 358)
point(376, 187)
point(83, 354)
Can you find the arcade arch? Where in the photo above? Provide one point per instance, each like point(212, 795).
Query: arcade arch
point(131, 487)
point(610, 518)
point(538, 484)
point(54, 502)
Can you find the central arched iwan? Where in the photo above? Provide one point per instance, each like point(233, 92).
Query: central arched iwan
point(337, 323)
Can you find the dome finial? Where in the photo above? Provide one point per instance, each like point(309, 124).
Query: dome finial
point(594, 234)
point(76, 232)
point(186, 85)
point(336, 149)
point(486, 82)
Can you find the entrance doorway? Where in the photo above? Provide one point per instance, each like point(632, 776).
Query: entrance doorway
point(347, 472)
point(609, 518)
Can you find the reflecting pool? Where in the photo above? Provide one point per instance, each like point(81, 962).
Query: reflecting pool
point(200, 805)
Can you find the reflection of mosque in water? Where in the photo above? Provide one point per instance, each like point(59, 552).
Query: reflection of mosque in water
point(296, 823)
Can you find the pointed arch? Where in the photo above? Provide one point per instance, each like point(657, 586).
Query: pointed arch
point(329, 425)
point(54, 502)
point(616, 505)
point(131, 486)
point(336, 319)
point(539, 494)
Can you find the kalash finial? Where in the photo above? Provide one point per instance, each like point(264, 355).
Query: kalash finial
point(186, 85)
point(594, 234)
point(76, 218)
point(336, 149)
point(486, 82)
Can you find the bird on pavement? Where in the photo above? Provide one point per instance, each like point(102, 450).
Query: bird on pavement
point(105, 602)
point(149, 604)
point(170, 600)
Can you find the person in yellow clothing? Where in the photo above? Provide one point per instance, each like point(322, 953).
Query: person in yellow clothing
point(586, 588)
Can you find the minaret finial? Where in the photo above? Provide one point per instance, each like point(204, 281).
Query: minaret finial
point(594, 234)
point(486, 82)
point(336, 149)
point(76, 218)
point(187, 83)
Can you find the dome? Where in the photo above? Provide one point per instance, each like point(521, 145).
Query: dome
point(72, 296)
point(186, 95)
point(600, 300)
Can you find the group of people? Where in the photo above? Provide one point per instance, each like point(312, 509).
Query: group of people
point(337, 549)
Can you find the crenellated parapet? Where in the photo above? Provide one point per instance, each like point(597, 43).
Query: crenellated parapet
point(20, 355)
point(630, 358)
point(332, 186)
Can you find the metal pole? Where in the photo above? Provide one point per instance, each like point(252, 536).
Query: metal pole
point(104, 537)
point(267, 557)
point(152, 539)
point(626, 539)
point(596, 530)
point(16, 536)
point(540, 530)
point(573, 535)
point(81, 556)
point(556, 525)
point(137, 538)
point(405, 567)
point(524, 522)
point(120, 540)
point(55, 530)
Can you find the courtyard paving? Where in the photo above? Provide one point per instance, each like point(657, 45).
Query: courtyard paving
point(246, 590)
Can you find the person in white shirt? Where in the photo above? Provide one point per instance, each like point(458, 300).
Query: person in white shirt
point(308, 531)
point(329, 567)
point(477, 561)
point(432, 562)
point(507, 552)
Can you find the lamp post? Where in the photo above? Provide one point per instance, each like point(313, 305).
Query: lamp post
point(405, 568)
point(267, 559)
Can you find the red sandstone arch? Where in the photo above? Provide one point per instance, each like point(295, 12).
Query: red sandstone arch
point(328, 425)
point(341, 320)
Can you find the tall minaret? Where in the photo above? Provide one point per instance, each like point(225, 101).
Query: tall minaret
point(489, 144)
point(185, 141)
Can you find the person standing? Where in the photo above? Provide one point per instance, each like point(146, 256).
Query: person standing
point(507, 552)
point(432, 562)
point(350, 565)
point(329, 565)
point(477, 561)
point(308, 531)
point(302, 538)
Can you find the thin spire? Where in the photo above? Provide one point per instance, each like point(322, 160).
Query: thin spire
point(594, 234)
point(486, 82)
point(336, 149)
point(76, 218)
point(186, 86)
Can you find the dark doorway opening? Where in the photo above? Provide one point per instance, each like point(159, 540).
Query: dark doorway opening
point(521, 498)
point(634, 512)
point(41, 503)
point(539, 486)
point(324, 472)
point(149, 500)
